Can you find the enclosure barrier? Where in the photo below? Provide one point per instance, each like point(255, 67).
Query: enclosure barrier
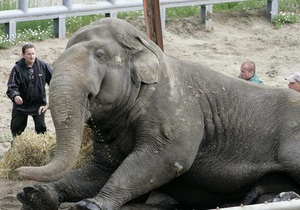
point(109, 7)
point(282, 205)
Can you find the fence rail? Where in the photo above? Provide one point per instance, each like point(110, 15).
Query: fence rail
point(59, 13)
point(282, 205)
point(44, 3)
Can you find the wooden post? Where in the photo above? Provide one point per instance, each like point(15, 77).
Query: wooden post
point(153, 21)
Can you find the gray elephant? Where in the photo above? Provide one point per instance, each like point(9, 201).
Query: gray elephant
point(161, 124)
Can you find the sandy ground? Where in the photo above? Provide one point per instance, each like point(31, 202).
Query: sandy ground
point(234, 39)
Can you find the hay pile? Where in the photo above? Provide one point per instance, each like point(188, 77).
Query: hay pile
point(31, 149)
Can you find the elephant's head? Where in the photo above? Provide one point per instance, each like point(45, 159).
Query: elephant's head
point(103, 65)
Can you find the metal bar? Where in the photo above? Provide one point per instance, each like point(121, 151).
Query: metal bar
point(272, 8)
point(67, 3)
point(23, 5)
point(206, 16)
point(163, 19)
point(282, 205)
point(10, 29)
point(153, 21)
point(59, 25)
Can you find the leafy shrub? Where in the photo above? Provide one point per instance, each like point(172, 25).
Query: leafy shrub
point(284, 17)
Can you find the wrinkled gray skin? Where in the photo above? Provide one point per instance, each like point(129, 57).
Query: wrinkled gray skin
point(161, 123)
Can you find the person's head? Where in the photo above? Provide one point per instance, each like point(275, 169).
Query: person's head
point(247, 70)
point(294, 81)
point(28, 53)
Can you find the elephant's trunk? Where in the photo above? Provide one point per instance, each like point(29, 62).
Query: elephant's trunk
point(67, 105)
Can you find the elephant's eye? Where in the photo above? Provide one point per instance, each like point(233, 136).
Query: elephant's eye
point(100, 54)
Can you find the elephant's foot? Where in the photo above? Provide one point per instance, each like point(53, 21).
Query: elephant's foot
point(36, 197)
point(85, 205)
point(286, 196)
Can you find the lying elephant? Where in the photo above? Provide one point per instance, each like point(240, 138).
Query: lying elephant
point(161, 124)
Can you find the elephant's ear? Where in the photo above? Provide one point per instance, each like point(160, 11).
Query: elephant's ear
point(145, 61)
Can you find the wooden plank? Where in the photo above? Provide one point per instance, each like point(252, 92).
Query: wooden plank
point(153, 21)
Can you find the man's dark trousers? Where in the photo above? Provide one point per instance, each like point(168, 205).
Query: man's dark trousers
point(19, 122)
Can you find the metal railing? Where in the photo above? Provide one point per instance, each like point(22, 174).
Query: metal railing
point(110, 7)
point(282, 205)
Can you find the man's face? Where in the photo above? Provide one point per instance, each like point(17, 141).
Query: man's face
point(29, 56)
point(245, 73)
point(294, 86)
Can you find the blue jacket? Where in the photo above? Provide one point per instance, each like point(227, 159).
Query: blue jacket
point(255, 79)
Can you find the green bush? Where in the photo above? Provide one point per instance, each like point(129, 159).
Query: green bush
point(284, 18)
point(181, 12)
point(74, 23)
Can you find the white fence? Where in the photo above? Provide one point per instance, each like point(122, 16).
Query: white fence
point(282, 205)
point(60, 10)
point(45, 3)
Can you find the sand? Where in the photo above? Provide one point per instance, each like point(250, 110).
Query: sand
point(234, 39)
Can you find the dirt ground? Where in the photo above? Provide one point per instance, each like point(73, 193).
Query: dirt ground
point(234, 39)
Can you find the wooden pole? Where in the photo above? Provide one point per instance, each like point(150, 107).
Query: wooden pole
point(153, 21)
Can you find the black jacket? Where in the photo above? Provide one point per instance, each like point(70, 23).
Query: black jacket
point(31, 87)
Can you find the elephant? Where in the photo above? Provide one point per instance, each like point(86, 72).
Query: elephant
point(161, 124)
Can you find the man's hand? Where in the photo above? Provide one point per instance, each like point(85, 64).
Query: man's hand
point(43, 109)
point(18, 100)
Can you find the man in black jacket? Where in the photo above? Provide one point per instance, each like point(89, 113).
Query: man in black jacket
point(26, 89)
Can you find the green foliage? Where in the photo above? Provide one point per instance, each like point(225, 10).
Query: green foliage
point(5, 43)
point(27, 31)
point(74, 23)
point(8, 5)
point(38, 30)
point(289, 5)
point(288, 13)
point(284, 17)
point(131, 14)
point(226, 6)
point(182, 12)
point(250, 5)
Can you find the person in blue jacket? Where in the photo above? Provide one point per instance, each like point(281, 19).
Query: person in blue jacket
point(26, 89)
point(247, 72)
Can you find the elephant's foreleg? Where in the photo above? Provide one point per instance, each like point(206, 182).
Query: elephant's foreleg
point(139, 173)
point(82, 183)
point(76, 185)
